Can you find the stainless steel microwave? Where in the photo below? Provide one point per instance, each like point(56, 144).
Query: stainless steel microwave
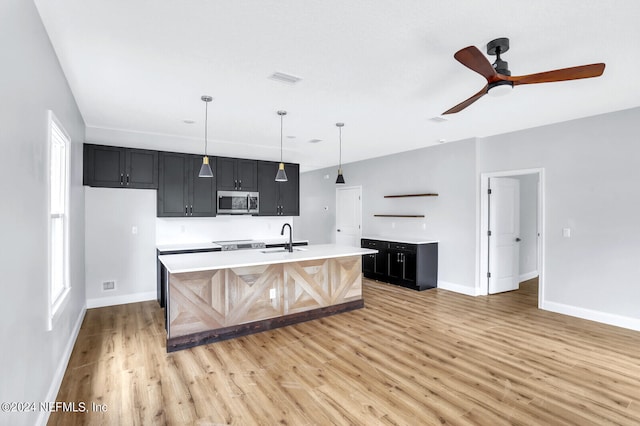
point(238, 202)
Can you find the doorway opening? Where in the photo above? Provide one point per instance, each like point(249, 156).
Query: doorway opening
point(511, 231)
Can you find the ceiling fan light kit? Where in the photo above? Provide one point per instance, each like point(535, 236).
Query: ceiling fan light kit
point(499, 78)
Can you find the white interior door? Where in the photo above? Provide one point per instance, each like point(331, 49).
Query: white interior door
point(504, 227)
point(348, 216)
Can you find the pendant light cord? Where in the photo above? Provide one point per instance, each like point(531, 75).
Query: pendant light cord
point(281, 117)
point(206, 126)
point(340, 161)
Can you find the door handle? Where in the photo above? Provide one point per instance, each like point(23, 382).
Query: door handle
point(338, 230)
point(518, 240)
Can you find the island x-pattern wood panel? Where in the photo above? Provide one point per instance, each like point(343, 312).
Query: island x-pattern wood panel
point(209, 300)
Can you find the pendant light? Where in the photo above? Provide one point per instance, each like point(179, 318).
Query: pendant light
point(281, 176)
point(205, 170)
point(340, 178)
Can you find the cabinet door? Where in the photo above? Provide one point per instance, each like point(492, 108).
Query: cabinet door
point(141, 169)
point(380, 264)
point(202, 191)
point(173, 196)
point(409, 268)
point(394, 266)
point(226, 174)
point(268, 188)
point(247, 175)
point(103, 166)
point(368, 265)
point(289, 194)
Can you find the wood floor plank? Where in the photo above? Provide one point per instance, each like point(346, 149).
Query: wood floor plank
point(407, 358)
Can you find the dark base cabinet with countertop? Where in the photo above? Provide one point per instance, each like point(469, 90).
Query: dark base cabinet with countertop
point(409, 265)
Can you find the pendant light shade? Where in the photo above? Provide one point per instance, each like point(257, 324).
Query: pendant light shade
point(281, 176)
point(340, 178)
point(205, 169)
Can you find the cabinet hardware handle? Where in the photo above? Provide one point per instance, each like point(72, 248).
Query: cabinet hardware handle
point(121, 178)
point(186, 210)
point(235, 184)
point(240, 184)
point(191, 209)
point(518, 240)
point(128, 179)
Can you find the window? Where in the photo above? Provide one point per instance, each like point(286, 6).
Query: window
point(58, 215)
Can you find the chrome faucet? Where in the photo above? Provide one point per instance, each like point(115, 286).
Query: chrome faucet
point(289, 246)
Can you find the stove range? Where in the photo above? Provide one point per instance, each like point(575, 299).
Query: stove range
point(240, 244)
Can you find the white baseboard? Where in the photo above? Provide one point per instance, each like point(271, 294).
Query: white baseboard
point(528, 275)
point(121, 300)
point(592, 315)
point(52, 394)
point(458, 288)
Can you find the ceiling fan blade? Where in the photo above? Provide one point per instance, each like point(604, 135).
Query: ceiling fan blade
point(464, 104)
point(564, 74)
point(473, 59)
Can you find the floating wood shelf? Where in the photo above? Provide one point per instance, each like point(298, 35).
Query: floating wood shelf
point(398, 215)
point(411, 195)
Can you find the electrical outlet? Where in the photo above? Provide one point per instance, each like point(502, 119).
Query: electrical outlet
point(272, 293)
point(134, 230)
point(108, 285)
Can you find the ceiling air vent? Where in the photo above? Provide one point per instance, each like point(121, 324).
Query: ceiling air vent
point(284, 78)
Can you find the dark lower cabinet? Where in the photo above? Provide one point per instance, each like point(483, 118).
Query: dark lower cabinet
point(409, 265)
point(375, 265)
point(117, 167)
point(181, 193)
point(278, 198)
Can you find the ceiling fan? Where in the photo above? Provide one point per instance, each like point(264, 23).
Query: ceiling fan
point(499, 77)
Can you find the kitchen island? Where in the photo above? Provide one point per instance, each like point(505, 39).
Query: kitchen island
point(215, 296)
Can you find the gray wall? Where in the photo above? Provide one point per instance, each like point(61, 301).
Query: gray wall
point(32, 359)
point(592, 174)
point(447, 169)
point(591, 168)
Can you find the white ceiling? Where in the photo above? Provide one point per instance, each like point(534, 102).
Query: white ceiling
point(138, 68)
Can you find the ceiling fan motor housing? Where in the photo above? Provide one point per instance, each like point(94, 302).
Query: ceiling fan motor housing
point(495, 48)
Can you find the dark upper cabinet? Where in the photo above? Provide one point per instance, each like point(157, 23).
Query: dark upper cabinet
point(181, 193)
point(278, 198)
point(116, 167)
point(236, 174)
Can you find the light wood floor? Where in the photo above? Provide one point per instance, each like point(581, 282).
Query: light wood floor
point(432, 357)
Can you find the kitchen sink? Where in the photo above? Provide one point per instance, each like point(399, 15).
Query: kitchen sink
point(281, 250)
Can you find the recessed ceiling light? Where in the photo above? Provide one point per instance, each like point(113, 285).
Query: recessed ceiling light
point(442, 140)
point(285, 78)
point(438, 119)
point(315, 140)
point(188, 121)
point(291, 136)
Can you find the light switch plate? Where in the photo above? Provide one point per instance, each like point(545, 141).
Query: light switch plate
point(566, 232)
point(272, 293)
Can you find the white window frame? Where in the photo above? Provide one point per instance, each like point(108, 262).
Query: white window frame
point(56, 302)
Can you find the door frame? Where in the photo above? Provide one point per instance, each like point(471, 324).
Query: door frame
point(335, 223)
point(482, 287)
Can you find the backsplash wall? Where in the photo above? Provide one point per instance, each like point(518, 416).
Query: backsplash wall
point(219, 228)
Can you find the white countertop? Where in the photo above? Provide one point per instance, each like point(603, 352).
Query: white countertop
point(193, 262)
point(210, 245)
point(407, 240)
